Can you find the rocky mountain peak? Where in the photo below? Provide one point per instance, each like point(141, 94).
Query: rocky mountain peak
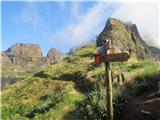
point(54, 55)
point(134, 30)
point(125, 37)
point(28, 57)
point(25, 50)
point(113, 21)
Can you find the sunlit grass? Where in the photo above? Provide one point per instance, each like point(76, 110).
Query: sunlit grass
point(56, 92)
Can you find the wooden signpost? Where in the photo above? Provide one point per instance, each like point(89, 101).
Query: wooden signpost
point(103, 56)
point(116, 57)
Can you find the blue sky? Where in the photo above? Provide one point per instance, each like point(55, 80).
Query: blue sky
point(40, 22)
point(63, 25)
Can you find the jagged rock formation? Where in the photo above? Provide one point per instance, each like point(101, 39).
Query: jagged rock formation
point(54, 55)
point(27, 57)
point(125, 37)
point(25, 50)
point(23, 57)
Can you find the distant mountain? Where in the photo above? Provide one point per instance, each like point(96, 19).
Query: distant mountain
point(72, 89)
point(54, 55)
point(24, 50)
point(125, 37)
point(57, 92)
point(28, 57)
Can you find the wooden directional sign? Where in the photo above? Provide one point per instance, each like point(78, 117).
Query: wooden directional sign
point(103, 56)
point(116, 57)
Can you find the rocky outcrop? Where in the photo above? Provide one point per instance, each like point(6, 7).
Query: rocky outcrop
point(54, 55)
point(25, 50)
point(28, 57)
point(124, 37)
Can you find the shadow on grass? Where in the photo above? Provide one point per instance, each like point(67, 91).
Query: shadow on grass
point(41, 74)
point(48, 101)
point(37, 110)
point(82, 85)
point(73, 115)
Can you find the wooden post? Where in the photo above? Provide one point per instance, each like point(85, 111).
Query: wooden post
point(109, 91)
point(106, 57)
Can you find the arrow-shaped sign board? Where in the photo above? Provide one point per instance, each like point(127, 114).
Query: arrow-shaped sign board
point(116, 57)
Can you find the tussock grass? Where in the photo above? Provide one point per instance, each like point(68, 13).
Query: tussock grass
point(34, 96)
point(51, 93)
point(67, 90)
point(94, 104)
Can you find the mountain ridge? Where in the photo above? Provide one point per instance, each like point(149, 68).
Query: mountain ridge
point(73, 88)
point(29, 57)
point(126, 37)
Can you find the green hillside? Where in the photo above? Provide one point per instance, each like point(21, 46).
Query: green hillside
point(70, 89)
point(52, 93)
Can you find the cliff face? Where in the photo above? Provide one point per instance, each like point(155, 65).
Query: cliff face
point(23, 57)
point(125, 37)
point(25, 50)
point(54, 55)
point(27, 57)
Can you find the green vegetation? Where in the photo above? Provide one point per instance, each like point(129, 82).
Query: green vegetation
point(68, 90)
point(16, 74)
point(87, 51)
point(145, 80)
point(34, 97)
point(54, 93)
point(94, 105)
point(150, 72)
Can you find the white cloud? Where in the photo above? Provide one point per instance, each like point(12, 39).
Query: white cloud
point(145, 16)
point(30, 14)
point(84, 29)
point(86, 26)
point(75, 10)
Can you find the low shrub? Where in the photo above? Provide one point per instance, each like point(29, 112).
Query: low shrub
point(94, 106)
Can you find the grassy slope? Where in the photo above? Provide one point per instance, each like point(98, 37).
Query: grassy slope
point(142, 95)
point(55, 92)
point(50, 94)
point(25, 98)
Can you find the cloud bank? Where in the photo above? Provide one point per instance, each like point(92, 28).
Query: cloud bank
point(145, 16)
point(86, 26)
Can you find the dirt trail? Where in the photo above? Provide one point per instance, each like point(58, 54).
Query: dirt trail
point(143, 107)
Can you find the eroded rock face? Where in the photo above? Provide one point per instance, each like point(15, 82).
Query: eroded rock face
point(25, 50)
point(26, 57)
point(54, 55)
